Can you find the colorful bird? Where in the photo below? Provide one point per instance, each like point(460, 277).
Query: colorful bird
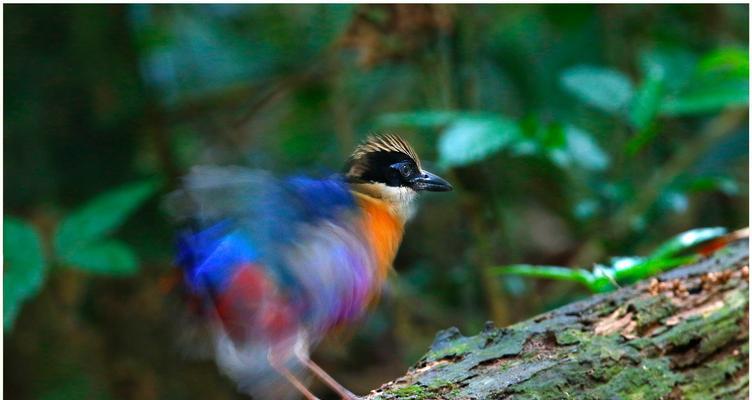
point(270, 265)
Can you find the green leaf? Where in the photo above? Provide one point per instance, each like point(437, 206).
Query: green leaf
point(645, 104)
point(602, 88)
point(685, 240)
point(564, 145)
point(649, 267)
point(730, 60)
point(584, 150)
point(470, 139)
point(622, 269)
point(600, 280)
point(99, 217)
point(673, 66)
point(719, 80)
point(23, 266)
point(109, 258)
point(546, 271)
point(419, 119)
point(708, 95)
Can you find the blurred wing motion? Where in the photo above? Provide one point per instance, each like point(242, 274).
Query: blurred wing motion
point(270, 265)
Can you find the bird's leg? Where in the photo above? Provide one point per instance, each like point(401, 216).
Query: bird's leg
point(282, 370)
point(326, 378)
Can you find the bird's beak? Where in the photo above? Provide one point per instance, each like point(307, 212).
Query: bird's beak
point(430, 182)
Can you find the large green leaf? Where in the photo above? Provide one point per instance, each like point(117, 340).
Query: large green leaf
point(602, 88)
point(23, 266)
point(719, 81)
point(107, 257)
point(708, 95)
point(99, 217)
point(470, 139)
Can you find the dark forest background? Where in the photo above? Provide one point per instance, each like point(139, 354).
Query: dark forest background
point(571, 134)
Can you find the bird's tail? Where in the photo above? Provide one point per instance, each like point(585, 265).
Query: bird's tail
point(250, 367)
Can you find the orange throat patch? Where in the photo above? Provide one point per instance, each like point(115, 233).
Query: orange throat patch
point(383, 228)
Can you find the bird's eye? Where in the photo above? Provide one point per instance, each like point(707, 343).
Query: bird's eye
point(406, 170)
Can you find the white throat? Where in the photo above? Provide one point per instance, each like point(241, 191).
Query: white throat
point(401, 199)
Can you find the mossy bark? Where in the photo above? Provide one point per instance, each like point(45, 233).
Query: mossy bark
point(683, 335)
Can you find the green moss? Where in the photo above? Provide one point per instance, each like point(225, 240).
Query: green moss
point(439, 384)
point(569, 336)
point(641, 343)
point(437, 389)
point(599, 359)
point(547, 385)
point(707, 380)
point(604, 308)
point(458, 348)
point(608, 347)
point(651, 379)
point(413, 392)
point(443, 388)
point(737, 389)
point(507, 343)
point(604, 373)
point(651, 309)
point(715, 329)
point(723, 333)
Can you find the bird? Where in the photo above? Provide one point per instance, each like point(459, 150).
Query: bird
point(270, 265)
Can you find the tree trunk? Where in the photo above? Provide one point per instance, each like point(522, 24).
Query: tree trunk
point(682, 335)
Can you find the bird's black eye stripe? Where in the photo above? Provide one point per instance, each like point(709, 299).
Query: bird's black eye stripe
point(390, 168)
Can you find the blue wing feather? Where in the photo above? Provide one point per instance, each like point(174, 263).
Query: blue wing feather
point(243, 216)
point(210, 256)
point(320, 198)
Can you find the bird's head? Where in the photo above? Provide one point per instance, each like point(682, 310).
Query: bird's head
point(387, 167)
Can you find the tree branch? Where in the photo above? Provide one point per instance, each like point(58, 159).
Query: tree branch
point(681, 335)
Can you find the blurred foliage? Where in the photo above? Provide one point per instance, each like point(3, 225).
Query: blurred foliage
point(79, 242)
point(79, 238)
point(571, 133)
point(23, 273)
point(623, 270)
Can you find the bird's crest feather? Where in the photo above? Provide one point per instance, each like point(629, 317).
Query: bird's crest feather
point(357, 162)
point(385, 142)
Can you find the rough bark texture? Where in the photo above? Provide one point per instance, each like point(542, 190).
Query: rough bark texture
point(683, 335)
